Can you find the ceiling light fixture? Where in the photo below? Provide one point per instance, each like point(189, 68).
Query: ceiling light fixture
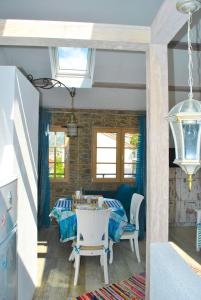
point(49, 83)
point(185, 117)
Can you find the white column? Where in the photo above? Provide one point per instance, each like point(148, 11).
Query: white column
point(157, 151)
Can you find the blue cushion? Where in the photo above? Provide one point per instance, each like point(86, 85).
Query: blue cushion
point(129, 228)
point(124, 194)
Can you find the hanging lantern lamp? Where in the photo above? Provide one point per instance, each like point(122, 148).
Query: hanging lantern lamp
point(72, 126)
point(185, 117)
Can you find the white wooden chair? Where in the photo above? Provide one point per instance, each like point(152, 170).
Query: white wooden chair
point(92, 237)
point(131, 231)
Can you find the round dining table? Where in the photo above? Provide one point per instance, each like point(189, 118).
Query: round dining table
point(65, 216)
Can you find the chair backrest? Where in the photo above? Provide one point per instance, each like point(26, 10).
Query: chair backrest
point(135, 208)
point(92, 227)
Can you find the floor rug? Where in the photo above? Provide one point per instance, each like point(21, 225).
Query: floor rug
point(130, 289)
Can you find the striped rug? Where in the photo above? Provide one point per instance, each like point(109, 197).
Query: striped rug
point(131, 289)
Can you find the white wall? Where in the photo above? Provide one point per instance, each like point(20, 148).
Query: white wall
point(110, 66)
point(19, 130)
point(96, 98)
point(6, 121)
point(26, 151)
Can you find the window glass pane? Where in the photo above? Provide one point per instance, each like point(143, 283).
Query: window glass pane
point(59, 169)
point(105, 176)
point(51, 139)
point(106, 170)
point(51, 168)
point(129, 170)
point(106, 155)
point(73, 58)
point(51, 154)
point(109, 176)
point(129, 155)
point(60, 139)
point(60, 155)
point(107, 139)
point(59, 175)
point(57, 146)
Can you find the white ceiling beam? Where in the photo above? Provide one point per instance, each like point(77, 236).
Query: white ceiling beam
point(74, 34)
point(141, 86)
point(167, 23)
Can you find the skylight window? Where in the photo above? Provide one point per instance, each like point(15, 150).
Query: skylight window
point(73, 66)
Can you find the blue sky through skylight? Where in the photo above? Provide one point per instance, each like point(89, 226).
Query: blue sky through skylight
point(73, 58)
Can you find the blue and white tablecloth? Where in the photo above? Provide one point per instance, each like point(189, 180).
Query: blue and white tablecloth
point(67, 220)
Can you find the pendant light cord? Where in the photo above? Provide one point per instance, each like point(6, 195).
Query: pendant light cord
point(72, 102)
point(190, 60)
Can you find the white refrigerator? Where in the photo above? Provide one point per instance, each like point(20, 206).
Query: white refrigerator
point(8, 232)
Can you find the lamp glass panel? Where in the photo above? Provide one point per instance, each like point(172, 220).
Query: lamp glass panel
point(178, 139)
point(190, 132)
point(71, 129)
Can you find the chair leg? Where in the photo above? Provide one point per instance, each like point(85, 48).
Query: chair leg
point(77, 267)
point(72, 256)
point(111, 251)
point(132, 246)
point(101, 260)
point(105, 268)
point(137, 249)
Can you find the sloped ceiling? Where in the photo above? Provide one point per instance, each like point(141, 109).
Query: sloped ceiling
point(131, 12)
point(110, 66)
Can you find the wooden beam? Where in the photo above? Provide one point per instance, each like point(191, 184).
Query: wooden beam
point(120, 85)
point(157, 151)
point(140, 86)
point(180, 88)
point(167, 23)
point(76, 34)
point(184, 45)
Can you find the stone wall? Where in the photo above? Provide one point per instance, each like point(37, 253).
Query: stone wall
point(182, 202)
point(80, 147)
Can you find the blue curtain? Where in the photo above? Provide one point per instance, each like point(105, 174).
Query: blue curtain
point(141, 173)
point(43, 169)
point(141, 158)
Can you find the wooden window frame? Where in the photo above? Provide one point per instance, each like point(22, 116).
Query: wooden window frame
point(119, 156)
point(66, 154)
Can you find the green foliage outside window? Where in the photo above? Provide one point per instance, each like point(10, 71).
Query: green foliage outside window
point(134, 140)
